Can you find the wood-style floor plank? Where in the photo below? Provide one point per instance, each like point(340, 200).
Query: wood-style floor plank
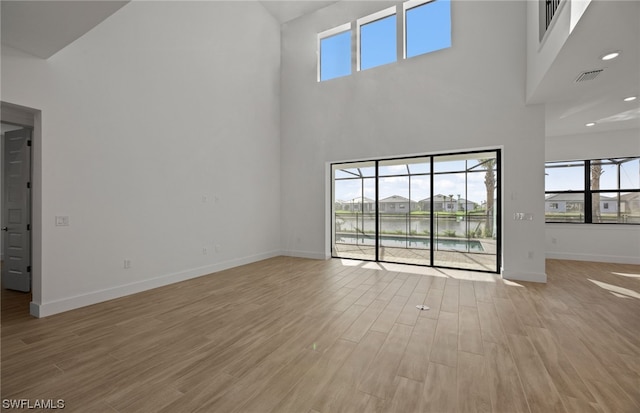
point(445, 342)
point(440, 392)
point(404, 399)
point(340, 391)
point(563, 374)
point(490, 326)
point(415, 361)
point(473, 389)
point(469, 334)
point(505, 387)
point(380, 377)
point(542, 395)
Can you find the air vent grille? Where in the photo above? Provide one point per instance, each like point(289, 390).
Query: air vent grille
point(590, 75)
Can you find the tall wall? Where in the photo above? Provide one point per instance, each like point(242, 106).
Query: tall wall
point(601, 242)
point(469, 96)
point(160, 141)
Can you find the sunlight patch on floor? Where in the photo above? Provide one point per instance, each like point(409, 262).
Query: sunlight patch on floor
point(626, 274)
point(616, 289)
point(350, 263)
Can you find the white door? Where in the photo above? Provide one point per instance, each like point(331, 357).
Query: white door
point(16, 211)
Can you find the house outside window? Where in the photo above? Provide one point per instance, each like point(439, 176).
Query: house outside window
point(593, 191)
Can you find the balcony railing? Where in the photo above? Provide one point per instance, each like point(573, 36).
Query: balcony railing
point(550, 7)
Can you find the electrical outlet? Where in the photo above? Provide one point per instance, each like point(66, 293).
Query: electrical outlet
point(127, 264)
point(204, 251)
point(62, 221)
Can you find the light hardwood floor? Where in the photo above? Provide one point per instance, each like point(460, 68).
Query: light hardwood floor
point(297, 335)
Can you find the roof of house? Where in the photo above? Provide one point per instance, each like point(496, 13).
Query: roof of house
point(576, 197)
point(631, 196)
point(357, 200)
point(395, 198)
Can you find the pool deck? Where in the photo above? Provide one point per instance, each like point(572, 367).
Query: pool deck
point(485, 261)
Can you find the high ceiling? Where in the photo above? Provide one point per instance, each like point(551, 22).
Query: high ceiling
point(42, 28)
point(285, 11)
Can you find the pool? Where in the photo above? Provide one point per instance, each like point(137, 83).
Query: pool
point(442, 244)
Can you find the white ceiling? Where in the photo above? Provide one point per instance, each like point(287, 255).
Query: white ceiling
point(284, 11)
point(42, 28)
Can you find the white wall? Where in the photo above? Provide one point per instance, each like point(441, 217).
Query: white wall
point(601, 145)
point(160, 137)
point(469, 96)
point(605, 243)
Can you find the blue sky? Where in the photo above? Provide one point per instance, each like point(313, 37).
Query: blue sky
point(428, 29)
point(453, 183)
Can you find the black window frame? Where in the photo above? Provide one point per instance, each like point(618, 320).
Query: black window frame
point(588, 192)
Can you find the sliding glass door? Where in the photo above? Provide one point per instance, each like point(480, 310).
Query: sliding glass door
point(404, 226)
point(436, 210)
point(354, 210)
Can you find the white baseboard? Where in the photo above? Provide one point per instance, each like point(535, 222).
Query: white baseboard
point(614, 259)
point(529, 277)
point(54, 307)
point(306, 254)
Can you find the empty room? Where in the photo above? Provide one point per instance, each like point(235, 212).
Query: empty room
point(320, 206)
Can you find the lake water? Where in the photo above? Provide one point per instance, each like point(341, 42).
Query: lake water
point(409, 224)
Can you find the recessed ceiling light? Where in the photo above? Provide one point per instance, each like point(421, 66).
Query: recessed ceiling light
point(611, 55)
point(590, 124)
point(630, 98)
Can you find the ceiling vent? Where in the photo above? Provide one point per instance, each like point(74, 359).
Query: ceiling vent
point(590, 75)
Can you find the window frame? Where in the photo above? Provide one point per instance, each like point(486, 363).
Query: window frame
point(371, 18)
point(343, 28)
point(588, 193)
point(406, 6)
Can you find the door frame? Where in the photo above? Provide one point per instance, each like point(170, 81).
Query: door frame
point(32, 118)
point(497, 216)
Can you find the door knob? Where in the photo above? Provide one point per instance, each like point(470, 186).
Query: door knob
point(5, 229)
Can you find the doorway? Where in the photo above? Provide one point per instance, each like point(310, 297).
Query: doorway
point(16, 207)
point(432, 210)
point(21, 117)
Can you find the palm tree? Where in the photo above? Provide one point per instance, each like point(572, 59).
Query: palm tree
point(490, 184)
point(596, 172)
